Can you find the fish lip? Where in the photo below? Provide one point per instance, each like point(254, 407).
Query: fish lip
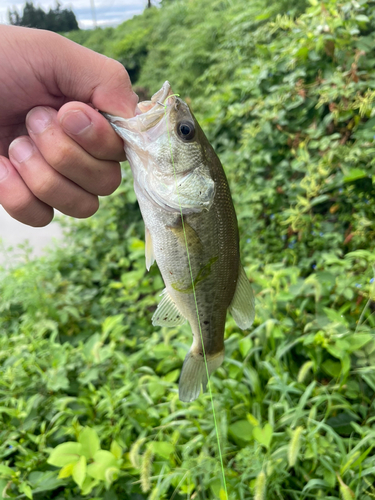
point(159, 98)
point(147, 114)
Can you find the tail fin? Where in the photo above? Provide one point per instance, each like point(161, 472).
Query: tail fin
point(194, 374)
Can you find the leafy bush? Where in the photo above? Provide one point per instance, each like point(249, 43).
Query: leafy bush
point(287, 100)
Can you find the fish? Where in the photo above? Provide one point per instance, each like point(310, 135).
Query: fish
point(191, 230)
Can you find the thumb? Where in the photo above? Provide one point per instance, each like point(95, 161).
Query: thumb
point(81, 74)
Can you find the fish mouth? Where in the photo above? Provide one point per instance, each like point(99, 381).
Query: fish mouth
point(147, 115)
point(159, 98)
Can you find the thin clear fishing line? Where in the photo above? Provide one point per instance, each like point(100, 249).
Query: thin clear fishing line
point(195, 299)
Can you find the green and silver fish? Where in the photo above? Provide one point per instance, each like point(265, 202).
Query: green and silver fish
point(185, 202)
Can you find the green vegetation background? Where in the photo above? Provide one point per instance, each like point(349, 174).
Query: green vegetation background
point(88, 389)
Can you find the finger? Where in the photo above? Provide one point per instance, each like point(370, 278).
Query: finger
point(91, 131)
point(81, 74)
point(47, 184)
point(99, 177)
point(18, 200)
point(71, 72)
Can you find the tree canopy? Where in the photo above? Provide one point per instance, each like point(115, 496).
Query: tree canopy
point(57, 19)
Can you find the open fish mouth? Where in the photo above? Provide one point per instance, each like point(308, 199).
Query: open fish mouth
point(148, 115)
point(158, 98)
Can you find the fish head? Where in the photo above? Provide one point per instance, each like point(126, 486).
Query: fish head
point(168, 154)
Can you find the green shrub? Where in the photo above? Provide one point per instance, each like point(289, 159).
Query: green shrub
point(287, 100)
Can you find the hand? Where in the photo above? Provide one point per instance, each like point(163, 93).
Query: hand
point(56, 150)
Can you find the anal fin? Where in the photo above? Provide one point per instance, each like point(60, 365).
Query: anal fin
point(242, 307)
point(167, 313)
point(149, 251)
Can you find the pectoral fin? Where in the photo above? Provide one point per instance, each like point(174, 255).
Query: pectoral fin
point(242, 307)
point(192, 239)
point(150, 258)
point(167, 313)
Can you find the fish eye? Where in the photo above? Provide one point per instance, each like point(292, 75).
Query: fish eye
point(186, 130)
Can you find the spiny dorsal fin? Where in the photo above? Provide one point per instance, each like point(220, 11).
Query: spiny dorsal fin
point(167, 313)
point(149, 251)
point(242, 307)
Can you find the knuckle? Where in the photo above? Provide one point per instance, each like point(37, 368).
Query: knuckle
point(60, 157)
point(20, 206)
point(44, 187)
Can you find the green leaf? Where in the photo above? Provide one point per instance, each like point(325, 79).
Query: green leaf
point(245, 345)
point(345, 364)
point(79, 471)
point(263, 436)
point(66, 471)
point(333, 368)
point(156, 389)
point(88, 485)
point(25, 488)
point(319, 199)
point(44, 481)
point(65, 453)
point(242, 429)
point(222, 494)
point(3, 485)
point(162, 448)
point(6, 471)
point(362, 18)
point(172, 376)
point(358, 340)
point(90, 442)
point(361, 458)
point(116, 450)
point(102, 461)
point(355, 174)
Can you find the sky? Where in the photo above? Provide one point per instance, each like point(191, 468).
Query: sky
point(108, 12)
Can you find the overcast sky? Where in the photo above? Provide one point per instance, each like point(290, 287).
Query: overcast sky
point(108, 12)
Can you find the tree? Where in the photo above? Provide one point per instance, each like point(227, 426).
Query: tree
point(58, 20)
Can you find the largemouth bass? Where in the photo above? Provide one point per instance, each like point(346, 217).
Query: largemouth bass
point(191, 229)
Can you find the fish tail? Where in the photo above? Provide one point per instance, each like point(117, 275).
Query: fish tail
point(194, 373)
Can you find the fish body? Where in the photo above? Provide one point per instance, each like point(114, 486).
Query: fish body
point(191, 229)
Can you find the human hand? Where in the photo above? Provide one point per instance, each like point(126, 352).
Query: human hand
point(49, 87)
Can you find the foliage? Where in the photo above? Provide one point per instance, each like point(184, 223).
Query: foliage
point(129, 43)
point(58, 20)
point(287, 100)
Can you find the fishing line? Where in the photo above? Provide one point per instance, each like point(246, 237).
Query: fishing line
point(195, 299)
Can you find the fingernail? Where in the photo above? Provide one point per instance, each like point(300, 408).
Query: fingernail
point(75, 122)
point(3, 170)
point(21, 149)
point(38, 119)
